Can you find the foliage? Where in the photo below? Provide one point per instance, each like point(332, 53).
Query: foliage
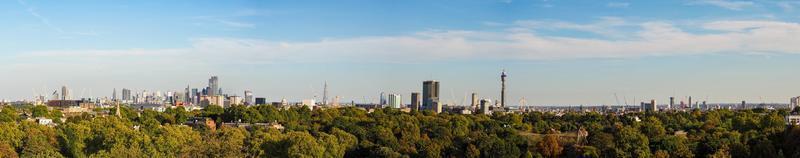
point(352, 132)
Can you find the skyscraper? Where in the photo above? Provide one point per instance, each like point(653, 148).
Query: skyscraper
point(213, 86)
point(187, 98)
point(671, 102)
point(64, 93)
point(395, 101)
point(114, 95)
point(484, 109)
point(503, 88)
point(195, 96)
point(415, 101)
point(474, 100)
point(126, 95)
point(248, 98)
point(430, 96)
point(382, 99)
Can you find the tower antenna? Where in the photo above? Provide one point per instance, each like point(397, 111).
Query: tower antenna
point(503, 88)
point(325, 94)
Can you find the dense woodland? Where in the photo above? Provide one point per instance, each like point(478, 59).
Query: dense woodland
point(352, 132)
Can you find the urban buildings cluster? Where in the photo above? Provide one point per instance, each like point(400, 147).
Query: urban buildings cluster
point(427, 99)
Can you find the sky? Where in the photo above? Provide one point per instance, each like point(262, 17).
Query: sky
point(555, 52)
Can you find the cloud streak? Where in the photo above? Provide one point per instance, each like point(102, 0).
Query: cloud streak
point(653, 39)
point(732, 5)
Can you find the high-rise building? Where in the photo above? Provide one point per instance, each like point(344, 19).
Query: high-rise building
point(503, 88)
point(126, 95)
point(395, 101)
point(64, 93)
point(213, 86)
point(187, 98)
point(691, 104)
point(195, 96)
point(415, 101)
point(248, 97)
point(794, 102)
point(671, 102)
point(382, 99)
point(744, 105)
point(485, 104)
point(336, 101)
point(430, 96)
point(474, 100)
point(114, 95)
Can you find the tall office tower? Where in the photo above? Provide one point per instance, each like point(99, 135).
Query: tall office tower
point(794, 102)
point(485, 104)
point(126, 94)
point(187, 98)
point(325, 94)
point(382, 100)
point(114, 95)
point(64, 93)
point(248, 98)
point(690, 102)
point(671, 102)
point(336, 101)
point(395, 101)
point(474, 100)
point(213, 86)
point(415, 101)
point(704, 105)
point(744, 105)
point(195, 95)
point(430, 96)
point(653, 105)
point(503, 88)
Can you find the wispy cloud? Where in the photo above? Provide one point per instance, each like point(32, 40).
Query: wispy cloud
point(732, 5)
point(605, 26)
point(234, 20)
point(618, 4)
point(656, 38)
point(787, 5)
point(41, 18)
point(46, 21)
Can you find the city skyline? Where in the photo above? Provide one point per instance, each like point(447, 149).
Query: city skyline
point(634, 51)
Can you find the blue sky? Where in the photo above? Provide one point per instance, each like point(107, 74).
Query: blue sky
point(557, 52)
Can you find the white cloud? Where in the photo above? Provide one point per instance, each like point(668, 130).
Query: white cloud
point(653, 39)
point(606, 26)
point(618, 4)
point(732, 5)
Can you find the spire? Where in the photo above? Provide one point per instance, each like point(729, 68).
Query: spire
point(325, 94)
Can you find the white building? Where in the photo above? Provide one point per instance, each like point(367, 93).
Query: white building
point(395, 101)
point(794, 102)
point(311, 103)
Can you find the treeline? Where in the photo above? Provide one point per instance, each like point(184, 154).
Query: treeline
point(351, 132)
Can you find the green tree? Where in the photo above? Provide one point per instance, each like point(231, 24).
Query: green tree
point(39, 111)
point(8, 114)
point(303, 145)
